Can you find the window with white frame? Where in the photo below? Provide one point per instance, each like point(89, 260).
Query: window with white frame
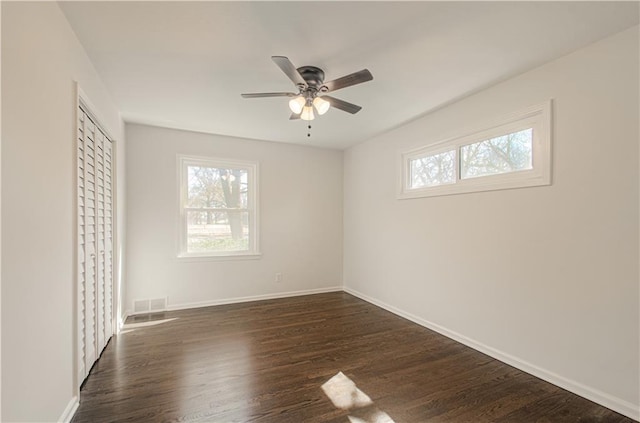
point(218, 208)
point(512, 152)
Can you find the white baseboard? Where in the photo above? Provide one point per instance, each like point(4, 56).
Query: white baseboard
point(616, 404)
point(68, 412)
point(185, 306)
point(121, 321)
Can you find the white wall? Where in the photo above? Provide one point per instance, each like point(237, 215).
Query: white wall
point(545, 277)
point(41, 59)
point(300, 200)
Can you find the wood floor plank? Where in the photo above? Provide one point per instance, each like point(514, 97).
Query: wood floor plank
point(265, 362)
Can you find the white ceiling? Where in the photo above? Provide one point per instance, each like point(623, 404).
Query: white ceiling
point(184, 64)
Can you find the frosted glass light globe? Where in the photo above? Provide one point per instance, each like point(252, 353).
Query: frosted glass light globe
point(321, 105)
point(307, 113)
point(296, 104)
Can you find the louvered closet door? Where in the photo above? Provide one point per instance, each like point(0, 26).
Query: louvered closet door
point(108, 239)
point(87, 243)
point(82, 237)
point(95, 236)
point(100, 281)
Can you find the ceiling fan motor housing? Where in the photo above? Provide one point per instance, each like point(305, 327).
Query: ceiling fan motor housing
point(313, 76)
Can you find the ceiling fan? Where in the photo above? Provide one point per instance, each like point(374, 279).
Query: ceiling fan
point(312, 89)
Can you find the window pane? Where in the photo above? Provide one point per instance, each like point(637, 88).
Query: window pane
point(433, 170)
point(507, 153)
point(209, 231)
point(216, 187)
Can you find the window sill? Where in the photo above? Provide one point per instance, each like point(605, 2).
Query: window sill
point(521, 179)
point(190, 258)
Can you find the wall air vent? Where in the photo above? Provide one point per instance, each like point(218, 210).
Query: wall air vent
point(141, 306)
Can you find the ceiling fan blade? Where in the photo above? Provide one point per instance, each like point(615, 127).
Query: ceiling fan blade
point(258, 95)
point(294, 116)
point(342, 105)
point(346, 81)
point(289, 69)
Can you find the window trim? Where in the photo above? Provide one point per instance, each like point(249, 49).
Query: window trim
point(537, 117)
point(183, 161)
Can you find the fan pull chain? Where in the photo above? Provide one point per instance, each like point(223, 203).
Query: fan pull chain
point(309, 131)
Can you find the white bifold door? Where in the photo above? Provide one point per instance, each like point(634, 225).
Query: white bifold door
point(95, 241)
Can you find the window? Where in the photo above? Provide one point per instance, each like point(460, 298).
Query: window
point(514, 152)
point(218, 209)
point(502, 154)
point(433, 169)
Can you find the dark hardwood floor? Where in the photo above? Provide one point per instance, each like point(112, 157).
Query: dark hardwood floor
point(267, 362)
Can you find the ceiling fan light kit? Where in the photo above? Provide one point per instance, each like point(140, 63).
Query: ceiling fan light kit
point(312, 90)
point(304, 106)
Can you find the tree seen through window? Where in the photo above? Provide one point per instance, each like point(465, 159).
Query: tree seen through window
point(217, 209)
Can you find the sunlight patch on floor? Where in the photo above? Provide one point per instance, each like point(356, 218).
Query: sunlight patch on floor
point(345, 395)
point(129, 327)
point(377, 417)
